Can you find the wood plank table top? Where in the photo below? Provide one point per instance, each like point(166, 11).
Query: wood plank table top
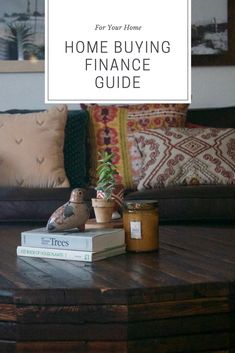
point(179, 299)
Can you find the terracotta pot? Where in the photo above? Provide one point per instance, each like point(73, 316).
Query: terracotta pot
point(103, 210)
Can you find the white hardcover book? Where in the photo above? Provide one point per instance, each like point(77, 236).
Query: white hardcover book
point(76, 255)
point(89, 240)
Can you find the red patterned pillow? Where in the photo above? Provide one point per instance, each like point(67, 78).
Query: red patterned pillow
point(112, 128)
point(152, 116)
point(108, 131)
point(186, 156)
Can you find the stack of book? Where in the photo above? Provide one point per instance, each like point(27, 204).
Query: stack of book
point(93, 245)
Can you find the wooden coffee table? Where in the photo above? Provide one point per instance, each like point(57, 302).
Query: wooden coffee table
point(180, 299)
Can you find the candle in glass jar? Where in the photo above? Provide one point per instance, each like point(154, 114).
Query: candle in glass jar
point(140, 221)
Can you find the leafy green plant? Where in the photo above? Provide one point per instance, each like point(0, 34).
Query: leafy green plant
point(106, 172)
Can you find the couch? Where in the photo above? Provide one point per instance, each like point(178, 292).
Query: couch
point(176, 203)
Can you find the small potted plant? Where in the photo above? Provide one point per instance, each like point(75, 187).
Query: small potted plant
point(104, 203)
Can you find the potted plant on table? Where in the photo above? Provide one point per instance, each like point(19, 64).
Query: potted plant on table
point(104, 203)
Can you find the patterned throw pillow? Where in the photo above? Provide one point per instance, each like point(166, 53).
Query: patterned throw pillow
point(150, 116)
point(108, 131)
point(112, 129)
point(186, 156)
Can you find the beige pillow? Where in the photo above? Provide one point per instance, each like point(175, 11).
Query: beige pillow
point(31, 149)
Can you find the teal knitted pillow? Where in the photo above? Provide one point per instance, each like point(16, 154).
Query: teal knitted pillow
point(75, 148)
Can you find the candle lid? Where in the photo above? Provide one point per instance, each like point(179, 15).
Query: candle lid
point(140, 204)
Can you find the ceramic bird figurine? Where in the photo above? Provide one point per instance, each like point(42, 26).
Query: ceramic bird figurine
point(72, 214)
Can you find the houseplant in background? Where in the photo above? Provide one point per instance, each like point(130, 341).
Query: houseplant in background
point(104, 203)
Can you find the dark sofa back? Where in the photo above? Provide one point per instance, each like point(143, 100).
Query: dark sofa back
point(213, 117)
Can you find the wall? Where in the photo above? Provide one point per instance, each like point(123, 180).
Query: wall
point(211, 87)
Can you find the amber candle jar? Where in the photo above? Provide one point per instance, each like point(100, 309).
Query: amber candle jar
point(140, 221)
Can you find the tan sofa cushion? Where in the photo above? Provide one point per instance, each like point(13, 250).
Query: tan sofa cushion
point(31, 149)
